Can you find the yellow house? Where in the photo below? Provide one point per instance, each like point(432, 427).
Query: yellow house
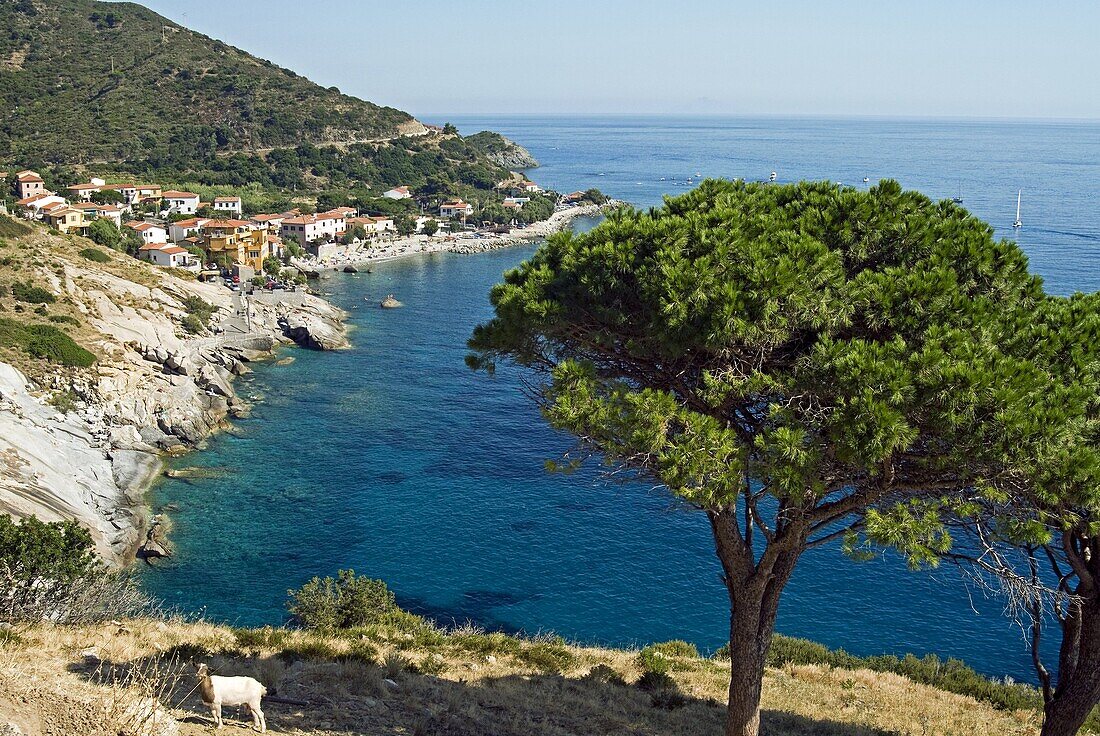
point(67, 220)
point(236, 239)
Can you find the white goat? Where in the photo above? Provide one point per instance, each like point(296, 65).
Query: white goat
point(217, 691)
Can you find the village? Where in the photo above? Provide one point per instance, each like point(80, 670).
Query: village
point(217, 240)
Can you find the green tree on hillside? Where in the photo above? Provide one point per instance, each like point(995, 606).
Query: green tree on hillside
point(107, 196)
point(1034, 535)
point(405, 225)
point(790, 360)
point(104, 232)
point(430, 228)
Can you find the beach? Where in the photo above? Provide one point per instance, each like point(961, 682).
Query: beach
point(467, 242)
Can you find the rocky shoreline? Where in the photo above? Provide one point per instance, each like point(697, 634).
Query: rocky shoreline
point(155, 390)
point(355, 255)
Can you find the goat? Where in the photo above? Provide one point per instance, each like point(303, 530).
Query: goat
point(218, 691)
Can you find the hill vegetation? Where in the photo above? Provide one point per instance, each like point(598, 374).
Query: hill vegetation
point(116, 90)
point(95, 81)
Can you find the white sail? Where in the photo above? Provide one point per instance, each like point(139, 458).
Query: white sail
point(1018, 222)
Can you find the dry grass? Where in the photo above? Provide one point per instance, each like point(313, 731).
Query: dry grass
point(480, 685)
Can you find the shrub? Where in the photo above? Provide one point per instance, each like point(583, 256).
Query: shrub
point(192, 324)
point(675, 648)
point(549, 658)
point(50, 569)
point(265, 638)
point(45, 341)
point(342, 602)
point(63, 401)
point(433, 665)
point(95, 254)
point(395, 664)
point(360, 651)
point(651, 682)
point(308, 649)
point(64, 319)
point(605, 675)
point(668, 698)
point(27, 292)
point(651, 660)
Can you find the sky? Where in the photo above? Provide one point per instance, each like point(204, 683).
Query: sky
point(934, 58)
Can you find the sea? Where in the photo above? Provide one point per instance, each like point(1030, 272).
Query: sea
point(395, 460)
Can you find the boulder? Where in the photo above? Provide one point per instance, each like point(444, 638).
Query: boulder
point(390, 302)
point(311, 331)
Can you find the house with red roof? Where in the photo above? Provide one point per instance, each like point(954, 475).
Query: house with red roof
point(227, 206)
point(456, 208)
point(28, 184)
point(149, 232)
point(397, 193)
point(171, 256)
point(183, 203)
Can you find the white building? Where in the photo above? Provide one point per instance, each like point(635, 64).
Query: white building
point(397, 193)
point(227, 205)
point(456, 208)
point(171, 256)
point(184, 229)
point(184, 203)
point(149, 232)
point(33, 205)
point(325, 226)
point(94, 211)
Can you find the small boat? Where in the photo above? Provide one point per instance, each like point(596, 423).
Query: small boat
point(1018, 223)
point(773, 176)
point(959, 198)
point(866, 179)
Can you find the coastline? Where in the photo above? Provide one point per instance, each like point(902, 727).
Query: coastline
point(155, 390)
point(367, 253)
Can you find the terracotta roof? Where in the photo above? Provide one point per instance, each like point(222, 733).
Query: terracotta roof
point(190, 222)
point(173, 194)
point(82, 187)
point(173, 249)
point(140, 226)
point(27, 201)
point(54, 205)
point(267, 218)
point(221, 224)
point(305, 220)
point(28, 176)
point(227, 199)
point(403, 190)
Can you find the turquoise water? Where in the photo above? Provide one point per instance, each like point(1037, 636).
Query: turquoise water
point(392, 458)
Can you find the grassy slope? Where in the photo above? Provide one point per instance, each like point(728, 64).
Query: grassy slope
point(479, 685)
point(60, 101)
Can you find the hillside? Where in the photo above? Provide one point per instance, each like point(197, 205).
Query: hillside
point(82, 80)
point(414, 679)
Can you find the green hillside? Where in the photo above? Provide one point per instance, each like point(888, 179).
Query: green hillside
point(88, 81)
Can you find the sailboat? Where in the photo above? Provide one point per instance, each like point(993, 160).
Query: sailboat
point(1018, 222)
point(958, 199)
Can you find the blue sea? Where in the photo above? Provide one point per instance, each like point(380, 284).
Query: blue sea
point(393, 459)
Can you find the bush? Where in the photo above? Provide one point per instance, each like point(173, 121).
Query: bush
point(199, 311)
point(63, 401)
point(308, 649)
point(45, 341)
point(265, 638)
point(548, 657)
point(27, 292)
point(951, 675)
point(343, 602)
point(50, 569)
point(95, 254)
point(652, 682)
point(65, 319)
point(605, 675)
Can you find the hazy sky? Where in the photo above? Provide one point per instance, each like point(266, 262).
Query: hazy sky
point(983, 58)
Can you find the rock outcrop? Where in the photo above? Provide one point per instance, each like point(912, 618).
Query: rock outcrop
point(154, 389)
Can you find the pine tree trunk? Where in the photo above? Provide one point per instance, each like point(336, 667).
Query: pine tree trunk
point(1078, 688)
point(755, 583)
point(747, 654)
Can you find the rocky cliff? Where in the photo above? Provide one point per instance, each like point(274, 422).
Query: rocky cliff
point(84, 443)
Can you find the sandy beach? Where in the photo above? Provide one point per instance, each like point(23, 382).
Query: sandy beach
point(371, 252)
